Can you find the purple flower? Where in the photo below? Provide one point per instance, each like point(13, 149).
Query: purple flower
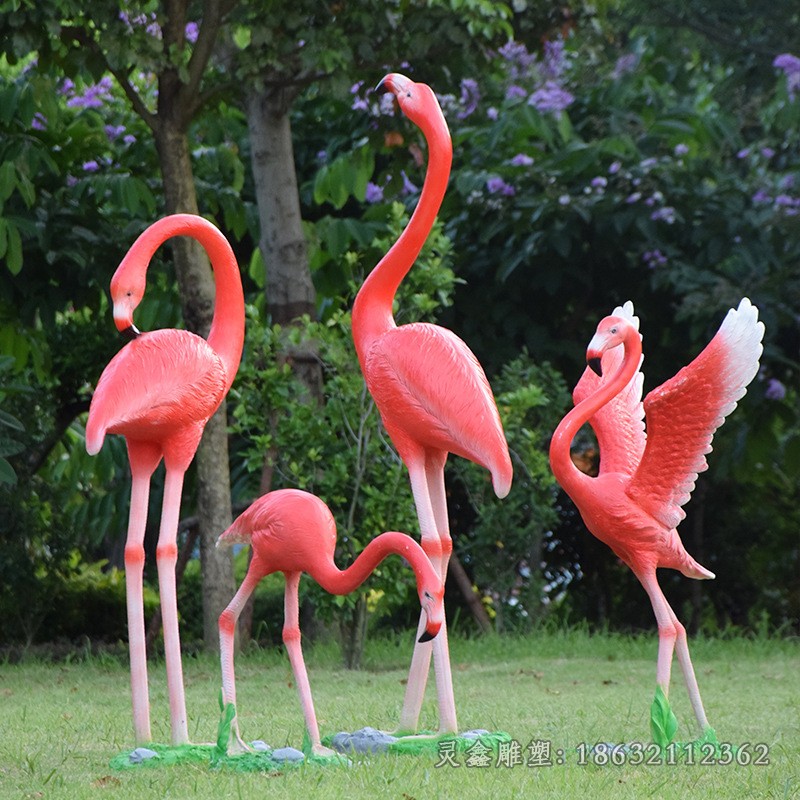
point(761, 197)
point(614, 168)
point(93, 96)
point(128, 139)
point(767, 152)
point(90, 166)
point(492, 113)
point(518, 58)
point(787, 181)
point(564, 200)
point(114, 131)
point(67, 86)
point(624, 65)
point(374, 193)
point(551, 97)
point(633, 198)
point(191, 32)
point(667, 214)
point(496, 185)
point(791, 69)
point(514, 92)
point(408, 187)
point(648, 163)
point(775, 390)
point(554, 61)
point(599, 182)
point(654, 258)
point(521, 160)
point(470, 95)
point(681, 149)
point(743, 153)
point(39, 121)
point(785, 200)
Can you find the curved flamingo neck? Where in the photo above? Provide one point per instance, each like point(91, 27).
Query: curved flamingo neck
point(372, 310)
point(574, 482)
point(226, 336)
point(337, 581)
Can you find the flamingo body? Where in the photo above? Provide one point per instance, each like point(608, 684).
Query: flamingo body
point(433, 394)
point(429, 388)
point(292, 531)
point(158, 392)
point(647, 474)
point(159, 384)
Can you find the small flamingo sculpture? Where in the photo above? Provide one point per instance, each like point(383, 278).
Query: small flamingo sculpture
point(430, 390)
point(158, 392)
point(634, 504)
point(292, 531)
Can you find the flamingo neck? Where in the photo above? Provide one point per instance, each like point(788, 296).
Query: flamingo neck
point(574, 482)
point(372, 310)
point(337, 581)
point(226, 336)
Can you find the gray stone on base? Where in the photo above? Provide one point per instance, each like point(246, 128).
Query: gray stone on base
point(142, 754)
point(365, 740)
point(260, 747)
point(290, 754)
point(474, 734)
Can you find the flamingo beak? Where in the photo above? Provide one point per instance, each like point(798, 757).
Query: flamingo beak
point(433, 606)
point(595, 365)
point(123, 319)
point(430, 632)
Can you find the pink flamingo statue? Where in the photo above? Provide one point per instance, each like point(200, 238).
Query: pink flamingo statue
point(158, 392)
point(292, 531)
point(634, 504)
point(430, 390)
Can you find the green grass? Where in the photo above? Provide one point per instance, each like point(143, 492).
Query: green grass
point(62, 723)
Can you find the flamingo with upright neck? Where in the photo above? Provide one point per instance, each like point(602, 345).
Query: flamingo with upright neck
point(158, 392)
point(634, 505)
point(430, 390)
point(292, 531)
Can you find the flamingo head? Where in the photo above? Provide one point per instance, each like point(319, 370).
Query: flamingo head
point(127, 290)
point(416, 100)
point(611, 332)
point(432, 602)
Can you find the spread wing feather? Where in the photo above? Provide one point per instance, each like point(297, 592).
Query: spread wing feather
point(683, 414)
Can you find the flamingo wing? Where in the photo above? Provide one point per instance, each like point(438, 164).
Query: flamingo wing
point(158, 383)
point(430, 388)
point(619, 424)
point(683, 414)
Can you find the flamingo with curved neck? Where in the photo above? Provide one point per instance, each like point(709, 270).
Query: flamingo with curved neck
point(292, 531)
point(158, 392)
point(634, 505)
point(430, 390)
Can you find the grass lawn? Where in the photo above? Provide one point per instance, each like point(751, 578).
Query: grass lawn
point(62, 723)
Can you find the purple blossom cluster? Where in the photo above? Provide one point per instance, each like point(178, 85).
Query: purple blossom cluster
point(496, 185)
point(790, 66)
point(775, 390)
point(93, 96)
point(470, 97)
point(654, 259)
point(551, 97)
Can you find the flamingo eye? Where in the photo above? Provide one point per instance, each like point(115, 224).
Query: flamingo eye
point(614, 330)
point(427, 595)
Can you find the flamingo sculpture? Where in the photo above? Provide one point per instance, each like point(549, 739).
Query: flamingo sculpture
point(158, 392)
point(635, 503)
point(292, 531)
point(430, 390)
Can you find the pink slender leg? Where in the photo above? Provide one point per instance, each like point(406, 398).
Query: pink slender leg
point(420, 661)
point(227, 634)
point(144, 458)
point(671, 631)
point(291, 639)
point(166, 558)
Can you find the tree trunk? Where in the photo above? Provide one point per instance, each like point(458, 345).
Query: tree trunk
point(290, 290)
point(196, 284)
point(472, 598)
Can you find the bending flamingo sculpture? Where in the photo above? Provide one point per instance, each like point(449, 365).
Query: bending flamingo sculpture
point(158, 392)
point(634, 504)
point(292, 531)
point(430, 390)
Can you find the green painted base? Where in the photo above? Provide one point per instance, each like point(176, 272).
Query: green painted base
point(429, 743)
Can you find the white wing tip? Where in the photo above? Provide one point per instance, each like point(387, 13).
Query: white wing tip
point(743, 333)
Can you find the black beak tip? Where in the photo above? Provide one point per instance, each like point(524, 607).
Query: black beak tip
point(130, 333)
point(595, 366)
point(426, 637)
point(381, 87)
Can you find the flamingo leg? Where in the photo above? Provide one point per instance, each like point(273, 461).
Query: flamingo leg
point(166, 559)
point(227, 635)
point(291, 640)
point(427, 485)
point(144, 459)
point(672, 638)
